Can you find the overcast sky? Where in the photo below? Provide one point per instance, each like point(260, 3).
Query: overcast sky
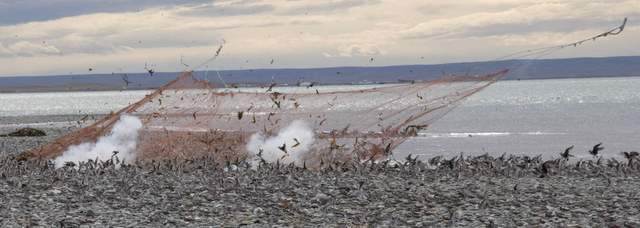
point(70, 36)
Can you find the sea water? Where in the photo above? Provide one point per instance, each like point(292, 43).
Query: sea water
point(514, 117)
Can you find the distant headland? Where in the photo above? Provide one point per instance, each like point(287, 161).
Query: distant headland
point(622, 66)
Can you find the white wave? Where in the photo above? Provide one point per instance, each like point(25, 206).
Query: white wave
point(42, 124)
point(483, 134)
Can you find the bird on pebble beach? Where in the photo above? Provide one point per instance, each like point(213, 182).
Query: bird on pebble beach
point(544, 169)
point(630, 156)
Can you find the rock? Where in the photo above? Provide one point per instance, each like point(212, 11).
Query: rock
point(580, 211)
point(321, 198)
point(258, 211)
point(88, 212)
point(26, 132)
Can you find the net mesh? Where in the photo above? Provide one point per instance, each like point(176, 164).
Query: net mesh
point(190, 118)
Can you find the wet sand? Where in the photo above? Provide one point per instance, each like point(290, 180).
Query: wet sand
point(469, 192)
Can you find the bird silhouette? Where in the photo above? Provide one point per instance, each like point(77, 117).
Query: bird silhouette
point(283, 148)
point(271, 87)
point(125, 78)
point(566, 154)
point(597, 148)
point(630, 156)
point(544, 169)
point(634, 154)
point(297, 143)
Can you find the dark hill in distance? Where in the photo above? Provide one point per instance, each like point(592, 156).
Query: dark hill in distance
point(520, 69)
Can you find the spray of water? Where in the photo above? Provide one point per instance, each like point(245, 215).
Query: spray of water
point(123, 139)
point(290, 145)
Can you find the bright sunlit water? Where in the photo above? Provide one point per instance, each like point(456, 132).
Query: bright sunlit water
point(516, 117)
point(539, 117)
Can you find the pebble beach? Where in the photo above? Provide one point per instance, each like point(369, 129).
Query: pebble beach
point(451, 191)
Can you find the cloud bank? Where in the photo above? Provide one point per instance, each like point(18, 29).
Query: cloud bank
point(73, 35)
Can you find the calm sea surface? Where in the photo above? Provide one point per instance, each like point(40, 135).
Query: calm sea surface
point(517, 117)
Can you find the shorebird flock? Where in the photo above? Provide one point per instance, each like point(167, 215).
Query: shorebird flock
point(508, 190)
point(461, 165)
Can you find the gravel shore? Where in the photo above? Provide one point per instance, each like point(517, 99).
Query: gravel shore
point(54, 126)
point(459, 192)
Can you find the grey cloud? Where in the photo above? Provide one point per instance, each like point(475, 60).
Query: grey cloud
point(97, 43)
point(561, 25)
point(240, 8)
point(454, 8)
point(330, 6)
point(21, 11)
point(516, 28)
point(5, 52)
point(27, 49)
point(154, 38)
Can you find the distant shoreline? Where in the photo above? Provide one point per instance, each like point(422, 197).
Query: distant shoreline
point(98, 88)
point(598, 67)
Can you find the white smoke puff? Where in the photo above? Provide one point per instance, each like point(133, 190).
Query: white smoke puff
point(122, 138)
point(298, 138)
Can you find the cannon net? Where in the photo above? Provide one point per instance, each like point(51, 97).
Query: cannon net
point(308, 126)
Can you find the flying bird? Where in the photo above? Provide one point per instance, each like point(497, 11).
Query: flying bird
point(276, 102)
point(151, 71)
point(597, 148)
point(283, 148)
point(220, 49)
point(566, 154)
point(125, 78)
point(271, 87)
